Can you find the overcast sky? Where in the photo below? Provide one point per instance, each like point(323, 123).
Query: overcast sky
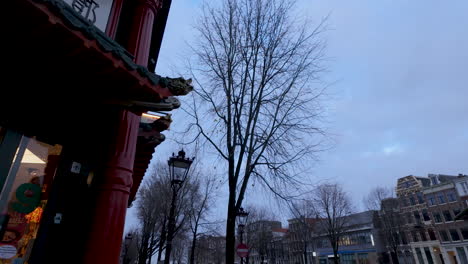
point(399, 101)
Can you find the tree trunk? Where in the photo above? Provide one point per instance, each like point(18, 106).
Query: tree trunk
point(231, 229)
point(143, 255)
point(194, 245)
point(305, 252)
point(394, 257)
point(336, 260)
point(162, 242)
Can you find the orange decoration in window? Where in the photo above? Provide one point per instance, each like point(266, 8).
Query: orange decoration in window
point(34, 216)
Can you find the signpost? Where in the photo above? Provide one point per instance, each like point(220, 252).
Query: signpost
point(242, 250)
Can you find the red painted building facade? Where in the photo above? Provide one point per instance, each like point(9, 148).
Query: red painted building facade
point(73, 144)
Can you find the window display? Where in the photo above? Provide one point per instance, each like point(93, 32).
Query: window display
point(23, 198)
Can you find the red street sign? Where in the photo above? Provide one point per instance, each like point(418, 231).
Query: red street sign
point(242, 250)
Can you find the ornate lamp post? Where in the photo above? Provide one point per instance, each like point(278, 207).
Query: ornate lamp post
point(242, 221)
point(178, 169)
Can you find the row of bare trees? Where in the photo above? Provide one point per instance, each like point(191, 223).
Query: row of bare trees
point(324, 213)
point(194, 200)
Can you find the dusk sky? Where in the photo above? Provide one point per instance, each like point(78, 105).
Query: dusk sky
point(398, 100)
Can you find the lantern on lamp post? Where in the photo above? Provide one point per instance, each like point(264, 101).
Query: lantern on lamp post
point(178, 171)
point(242, 221)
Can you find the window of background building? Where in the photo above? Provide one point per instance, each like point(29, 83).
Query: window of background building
point(404, 202)
point(462, 254)
point(441, 198)
point(412, 200)
point(456, 211)
point(444, 235)
point(464, 187)
point(426, 215)
point(447, 216)
point(404, 241)
point(432, 235)
point(431, 200)
point(451, 196)
point(409, 218)
point(464, 231)
point(419, 254)
point(454, 235)
point(420, 198)
point(414, 235)
point(427, 251)
point(437, 217)
point(422, 233)
point(417, 216)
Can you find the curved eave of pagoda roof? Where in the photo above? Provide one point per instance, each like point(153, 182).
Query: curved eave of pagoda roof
point(60, 14)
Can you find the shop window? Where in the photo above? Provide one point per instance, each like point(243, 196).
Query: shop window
point(363, 258)
point(348, 259)
point(437, 217)
point(444, 235)
point(24, 196)
point(427, 251)
point(454, 235)
point(464, 231)
point(447, 216)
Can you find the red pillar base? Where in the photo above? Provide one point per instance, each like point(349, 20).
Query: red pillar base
point(112, 191)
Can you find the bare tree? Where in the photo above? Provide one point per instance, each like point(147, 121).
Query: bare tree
point(153, 212)
point(332, 204)
point(390, 222)
point(257, 102)
point(374, 199)
point(129, 253)
point(302, 226)
point(259, 231)
point(204, 189)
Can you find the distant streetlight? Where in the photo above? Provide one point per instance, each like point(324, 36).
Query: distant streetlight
point(178, 169)
point(242, 221)
point(128, 240)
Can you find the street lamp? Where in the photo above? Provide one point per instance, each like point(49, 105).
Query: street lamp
point(178, 170)
point(128, 240)
point(242, 221)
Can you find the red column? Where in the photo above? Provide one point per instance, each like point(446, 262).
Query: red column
point(114, 15)
point(112, 191)
point(141, 29)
